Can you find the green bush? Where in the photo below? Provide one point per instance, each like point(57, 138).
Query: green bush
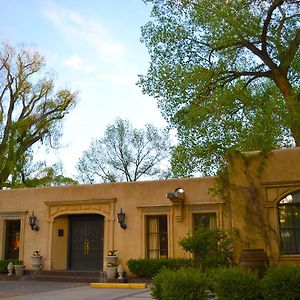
point(282, 283)
point(212, 248)
point(148, 268)
point(5, 262)
point(183, 284)
point(235, 284)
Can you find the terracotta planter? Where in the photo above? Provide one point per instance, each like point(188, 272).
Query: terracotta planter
point(254, 260)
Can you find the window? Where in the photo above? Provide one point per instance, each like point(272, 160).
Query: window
point(12, 239)
point(206, 220)
point(157, 236)
point(289, 221)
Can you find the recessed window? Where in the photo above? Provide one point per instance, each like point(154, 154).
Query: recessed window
point(157, 236)
point(12, 239)
point(206, 220)
point(289, 220)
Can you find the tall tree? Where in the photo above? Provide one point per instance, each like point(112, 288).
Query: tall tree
point(37, 174)
point(31, 110)
point(226, 76)
point(125, 154)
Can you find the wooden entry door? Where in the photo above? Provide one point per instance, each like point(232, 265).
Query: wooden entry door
point(86, 242)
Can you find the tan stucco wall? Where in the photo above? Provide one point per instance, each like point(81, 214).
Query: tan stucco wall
point(278, 176)
point(51, 205)
point(268, 179)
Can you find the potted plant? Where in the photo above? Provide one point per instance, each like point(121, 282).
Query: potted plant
point(112, 257)
point(36, 260)
point(111, 264)
point(19, 267)
point(111, 271)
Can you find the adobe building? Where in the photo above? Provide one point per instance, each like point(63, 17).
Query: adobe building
point(76, 226)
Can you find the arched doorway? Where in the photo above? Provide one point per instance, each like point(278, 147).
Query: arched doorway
point(86, 234)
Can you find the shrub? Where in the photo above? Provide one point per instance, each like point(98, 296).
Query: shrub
point(5, 262)
point(282, 283)
point(235, 284)
point(211, 247)
point(150, 267)
point(183, 284)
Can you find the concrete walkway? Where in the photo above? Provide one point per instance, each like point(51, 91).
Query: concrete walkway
point(43, 290)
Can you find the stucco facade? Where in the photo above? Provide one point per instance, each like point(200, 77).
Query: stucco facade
point(155, 223)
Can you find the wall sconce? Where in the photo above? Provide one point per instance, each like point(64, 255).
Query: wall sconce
point(32, 222)
point(121, 219)
point(177, 196)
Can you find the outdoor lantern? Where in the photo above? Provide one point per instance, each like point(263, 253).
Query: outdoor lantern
point(32, 222)
point(121, 219)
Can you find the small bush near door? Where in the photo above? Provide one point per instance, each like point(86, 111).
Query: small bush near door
point(183, 284)
point(5, 262)
point(148, 268)
point(282, 282)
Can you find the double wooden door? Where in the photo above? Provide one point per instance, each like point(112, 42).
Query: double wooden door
point(86, 242)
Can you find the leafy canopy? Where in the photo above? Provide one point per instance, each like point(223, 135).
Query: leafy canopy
point(31, 110)
point(125, 154)
point(226, 76)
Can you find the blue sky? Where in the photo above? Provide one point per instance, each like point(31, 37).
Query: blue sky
point(94, 48)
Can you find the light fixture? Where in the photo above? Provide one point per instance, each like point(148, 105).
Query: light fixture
point(32, 222)
point(176, 196)
point(121, 219)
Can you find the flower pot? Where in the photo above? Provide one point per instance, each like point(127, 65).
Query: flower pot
point(19, 270)
point(111, 259)
point(111, 272)
point(36, 262)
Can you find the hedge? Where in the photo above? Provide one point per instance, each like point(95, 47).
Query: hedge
point(183, 284)
point(148, 268)
point(282, 282)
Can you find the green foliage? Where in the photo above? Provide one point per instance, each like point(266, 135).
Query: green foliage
point(125, 154)
point(148, 268)
point(214, 71)
point(211, 247)
point(31, 110)
point(183, 284)
point(235, 284)
point(38, 174)
point(282, 282)
point(5, 262)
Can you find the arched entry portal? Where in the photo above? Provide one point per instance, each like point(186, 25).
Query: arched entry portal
point(61, 254)
point(86, 242)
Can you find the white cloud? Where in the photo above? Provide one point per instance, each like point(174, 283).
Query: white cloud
point(86, 32)
point(116, 79)
point(76, 63)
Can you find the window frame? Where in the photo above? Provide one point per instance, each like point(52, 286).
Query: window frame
point(158, 236)
point(294, 229)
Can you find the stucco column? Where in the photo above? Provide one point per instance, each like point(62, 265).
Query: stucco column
point(109, 243)
point(48, 261)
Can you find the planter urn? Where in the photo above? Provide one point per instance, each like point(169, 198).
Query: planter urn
point(36, 262)
point(19, 270)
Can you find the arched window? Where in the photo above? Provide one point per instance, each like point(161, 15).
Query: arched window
point(289, 219)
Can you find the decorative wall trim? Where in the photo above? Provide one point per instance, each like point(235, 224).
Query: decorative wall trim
point(270, 184)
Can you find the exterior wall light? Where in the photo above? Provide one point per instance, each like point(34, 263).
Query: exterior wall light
point(121, 219)
point(177, 199)
point(33, 223)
